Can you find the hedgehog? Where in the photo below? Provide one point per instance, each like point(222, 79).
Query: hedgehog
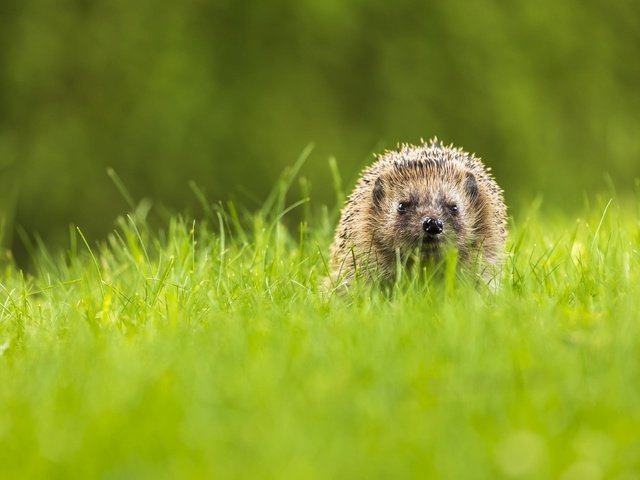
point(420, 203)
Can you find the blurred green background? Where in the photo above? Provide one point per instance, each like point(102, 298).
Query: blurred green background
point(228, 93)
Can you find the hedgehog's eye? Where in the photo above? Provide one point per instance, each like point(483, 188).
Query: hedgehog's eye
point(403, 207)
point(453, 208)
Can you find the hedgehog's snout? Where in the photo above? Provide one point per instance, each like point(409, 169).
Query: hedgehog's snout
point(432, 226)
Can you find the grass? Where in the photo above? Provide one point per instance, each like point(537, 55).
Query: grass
point(209, 350)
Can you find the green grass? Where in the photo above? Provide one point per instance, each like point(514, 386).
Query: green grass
point(210, 350)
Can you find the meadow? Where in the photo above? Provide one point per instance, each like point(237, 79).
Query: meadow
point(190, 336)
point(208, 349)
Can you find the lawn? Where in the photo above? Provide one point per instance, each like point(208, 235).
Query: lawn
point(208, 349)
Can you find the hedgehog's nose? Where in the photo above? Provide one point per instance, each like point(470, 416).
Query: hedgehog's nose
point(432, 226)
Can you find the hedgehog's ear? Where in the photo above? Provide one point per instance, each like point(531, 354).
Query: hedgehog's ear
point(471, 185)
point(378, 192)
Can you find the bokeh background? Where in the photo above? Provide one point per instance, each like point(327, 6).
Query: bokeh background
point(229, 92)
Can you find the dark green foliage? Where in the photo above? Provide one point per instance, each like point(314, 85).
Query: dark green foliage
point(227, 93)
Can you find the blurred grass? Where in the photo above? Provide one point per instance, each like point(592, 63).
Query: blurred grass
point(208, 350)
point(228, 93)
point(176, 347)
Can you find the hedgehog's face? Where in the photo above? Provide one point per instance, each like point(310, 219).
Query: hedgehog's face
point(428, 213)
